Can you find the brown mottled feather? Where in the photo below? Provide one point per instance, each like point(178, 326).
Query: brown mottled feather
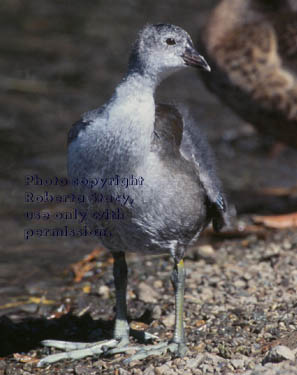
point(286, 29)
point(252, 48)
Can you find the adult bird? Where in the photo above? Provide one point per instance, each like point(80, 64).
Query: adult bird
point(155, 155)
point(252, 48)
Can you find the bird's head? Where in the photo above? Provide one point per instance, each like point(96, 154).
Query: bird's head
point(162, 49)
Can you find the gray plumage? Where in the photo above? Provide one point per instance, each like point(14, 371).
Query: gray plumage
point(127, 136)
point(162, 146)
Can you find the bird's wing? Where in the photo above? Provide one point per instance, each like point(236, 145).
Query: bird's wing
point(175, 129)
point(168, 129)
point(195, 147)
point(86, 119)
point(76, 128)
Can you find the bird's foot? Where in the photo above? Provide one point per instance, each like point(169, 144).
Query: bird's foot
point(142, 352)
point(78, 350)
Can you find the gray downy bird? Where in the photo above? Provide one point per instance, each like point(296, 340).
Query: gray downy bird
point(158, 150)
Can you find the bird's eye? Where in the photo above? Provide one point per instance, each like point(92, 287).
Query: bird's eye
point(170, 41)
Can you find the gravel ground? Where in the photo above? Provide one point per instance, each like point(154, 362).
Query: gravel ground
point(61, 58)
point(240, 311)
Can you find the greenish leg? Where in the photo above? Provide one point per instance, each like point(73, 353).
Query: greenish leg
point(177, 344)
point(178, 281)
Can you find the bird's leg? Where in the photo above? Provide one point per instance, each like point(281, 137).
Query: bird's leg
point(178, 281)
point(121, 329)
point(177, 344)
point(119, 344)
point(77, 350)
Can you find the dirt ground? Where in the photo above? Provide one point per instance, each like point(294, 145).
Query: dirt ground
point(62, 58)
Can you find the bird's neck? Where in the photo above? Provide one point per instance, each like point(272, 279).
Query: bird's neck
point(136, 83)
point(132, 115)
point(134, 102)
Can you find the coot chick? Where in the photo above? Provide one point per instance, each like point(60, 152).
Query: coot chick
point(252, 48)
point(173, 188)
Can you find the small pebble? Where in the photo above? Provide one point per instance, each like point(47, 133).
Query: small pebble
point(157, 312)
point(169, 320)
point(206, 251)
point(194, 362)
point(278, 354)
point(237, 363)
point(147, 294)
point(149, 370)
point(164, 369)
point(104, 291)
